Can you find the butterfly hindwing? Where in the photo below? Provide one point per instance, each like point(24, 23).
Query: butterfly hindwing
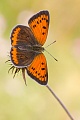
point(39, 25)
point(21, 58)
point(38, 69)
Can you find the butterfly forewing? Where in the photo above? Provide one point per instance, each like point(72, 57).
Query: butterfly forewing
point(39, 25)
point(22, 35)
point(38, 69)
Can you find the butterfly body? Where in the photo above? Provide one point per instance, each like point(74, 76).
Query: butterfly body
point(26, 51)
point(35, 48)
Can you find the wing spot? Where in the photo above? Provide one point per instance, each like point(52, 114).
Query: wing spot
point(43, 33)
point(46, 20)
point(42, 63)
point(37, 22)
point(40, 21)
point(42, 18)
point(33, 68)
point(36, 72)
point(34, 26)
point(42, 68)
point(43, 76)
point(40, 76)
point(44, 27)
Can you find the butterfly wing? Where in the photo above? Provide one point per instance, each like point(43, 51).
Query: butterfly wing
point(21, 58)
point(22, 35)
point(39, 25)
point(38, 69)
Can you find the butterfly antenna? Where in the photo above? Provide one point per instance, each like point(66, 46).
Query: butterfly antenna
point(50, 44)
point(60, 102)
point(51, 55)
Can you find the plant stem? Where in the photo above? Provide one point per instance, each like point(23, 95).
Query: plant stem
point(60, 102)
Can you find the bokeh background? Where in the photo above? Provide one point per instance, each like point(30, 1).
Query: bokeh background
point(35, 102)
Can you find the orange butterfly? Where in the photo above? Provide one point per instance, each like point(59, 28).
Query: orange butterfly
point(26, 51)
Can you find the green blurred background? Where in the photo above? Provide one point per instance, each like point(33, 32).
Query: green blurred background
point(35, 102)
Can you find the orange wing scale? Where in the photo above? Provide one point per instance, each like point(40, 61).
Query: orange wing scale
point(14, 36)
point(14, 55)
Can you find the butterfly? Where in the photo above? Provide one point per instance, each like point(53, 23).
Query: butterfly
point(26, 48)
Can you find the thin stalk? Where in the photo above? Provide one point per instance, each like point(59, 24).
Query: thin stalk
point(60, 102)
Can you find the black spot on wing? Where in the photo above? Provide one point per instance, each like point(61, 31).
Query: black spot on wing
point(33, 68)
point(42, 63)
point(42, 68)
point(43, 33)
point(44, 27)
point(34, 26)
